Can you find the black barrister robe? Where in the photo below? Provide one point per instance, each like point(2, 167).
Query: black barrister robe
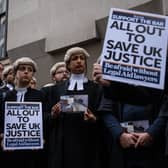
point(73, 142)
point(24, 158)
point(164, 115)
point(130, 103)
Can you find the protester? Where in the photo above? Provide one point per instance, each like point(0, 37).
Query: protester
point(24, 69)
point(129, 146)
point(7, 82)
point(73, 136)
point(58, 72)
point(8, 77)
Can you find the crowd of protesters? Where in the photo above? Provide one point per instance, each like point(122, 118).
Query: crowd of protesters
point(94, 131)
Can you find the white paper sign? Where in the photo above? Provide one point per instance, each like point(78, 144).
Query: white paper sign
point(135, 48)
point(23, 127)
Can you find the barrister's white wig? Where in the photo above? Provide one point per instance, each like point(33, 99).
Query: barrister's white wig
point(75, 50)
point(55, 67)
point(24, 61)
point(6, 71)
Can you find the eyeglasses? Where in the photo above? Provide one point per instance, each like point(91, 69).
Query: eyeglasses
point(61, 72)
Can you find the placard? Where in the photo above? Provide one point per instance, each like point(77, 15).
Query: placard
point(23, 127)
point(135, 48)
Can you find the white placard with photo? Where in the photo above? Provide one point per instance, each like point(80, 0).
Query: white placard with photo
point(74, 103)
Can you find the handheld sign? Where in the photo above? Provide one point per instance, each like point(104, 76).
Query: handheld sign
point(135, 48)
point(74, 103)
point(23, 127)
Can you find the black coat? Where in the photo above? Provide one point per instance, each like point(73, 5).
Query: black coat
point(164, 114)
point(73, 142)
point(128, 103)
point(24, 158)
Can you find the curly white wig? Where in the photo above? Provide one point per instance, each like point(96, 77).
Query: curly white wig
point(24, 61)
point(73, 51)
point(55, 67)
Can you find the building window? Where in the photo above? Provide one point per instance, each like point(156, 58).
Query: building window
point(3, 28)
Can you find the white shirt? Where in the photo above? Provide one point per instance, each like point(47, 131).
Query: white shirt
point(78, 80)
point(21, 94)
